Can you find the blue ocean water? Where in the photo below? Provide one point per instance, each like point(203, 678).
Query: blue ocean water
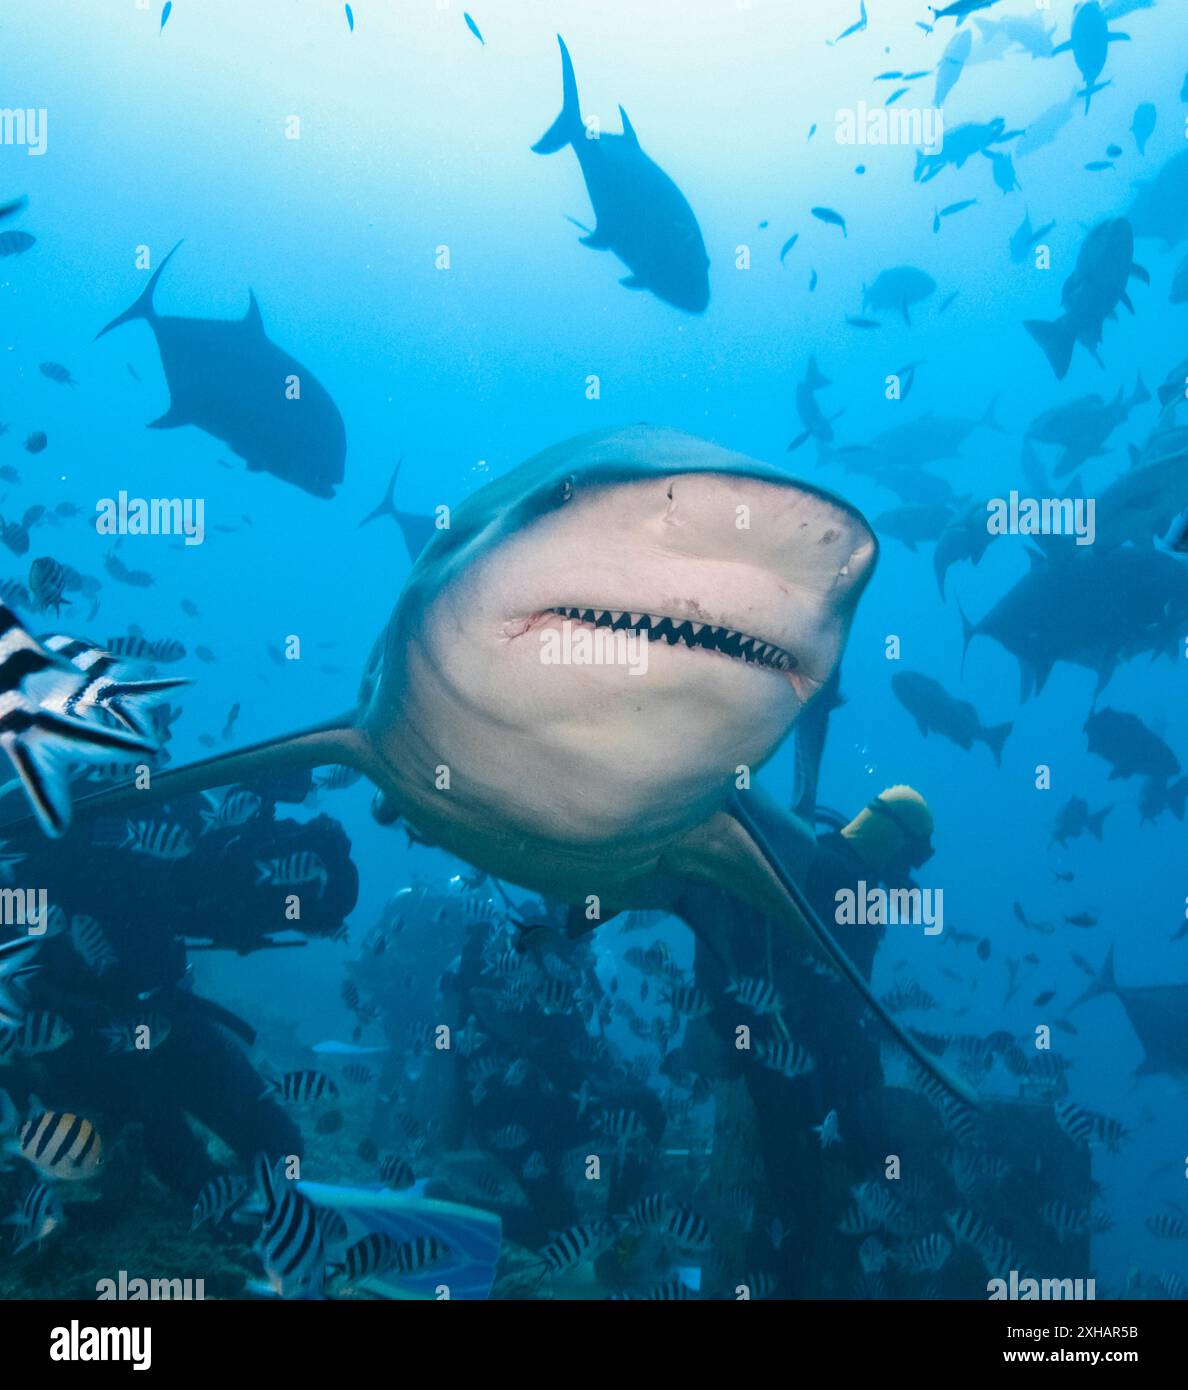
point(373, 185)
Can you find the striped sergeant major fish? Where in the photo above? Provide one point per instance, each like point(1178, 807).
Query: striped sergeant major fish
point(760, 996)
point(37, 1033)
point(90, 941)
point(420, 1253)
point(1167, 1227)
point(301, 1087)
point(47, 583)
point(167, 649)
point(1087, 1127)
point(290, 1243)
point(996, 1253)
point(687, 1000)
point(688, 1228)
point(38, 1216)
point(928, 1255)
point(107, 684)
point(217, 1198)
point(62, 1145)
point(292, 870)
point(788, 1058)
point(157, 839)
point(374, 1253)
point(237, 808)
point(576, 1245)
point(35, 736)
point(16, 965)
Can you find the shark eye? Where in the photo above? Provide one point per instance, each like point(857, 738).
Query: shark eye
point(565, 490)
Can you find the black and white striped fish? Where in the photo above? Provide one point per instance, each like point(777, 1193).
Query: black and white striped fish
point(397, 1172)
point(786, 1057)
point(1167, 1226)
point(928, 1255)
point(375, 1253)
point(576, 1245)
point(760, 996)
point(290, 1243)
point(687, 1000)
point(237, 808)
point(90, 941)
point(157, 839)
point(107, 683)
point(35, 737)
point(421, 1253)
point(302, 1087)
point(40, 1031)
point(47, 583)
point(217, 1198)
point(292, 870)
point(687, 1227)
point(38, 1216)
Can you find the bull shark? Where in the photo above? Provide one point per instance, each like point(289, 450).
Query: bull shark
point(580, 782)
point(227, 377)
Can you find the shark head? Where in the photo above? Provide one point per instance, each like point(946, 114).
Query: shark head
point(581, 664)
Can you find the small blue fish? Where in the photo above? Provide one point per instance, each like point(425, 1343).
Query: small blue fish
point(835, 219)
point(166, 12)
point(1143, 126)
point(350, 14)
point(862, 323)
point(948, 301)
point(1113, 151)
point(1097, 165)
point(958, 207)
point(812, 132)
point(813, 282)
point(895, 95)
point(788, 245)
point(474, 29)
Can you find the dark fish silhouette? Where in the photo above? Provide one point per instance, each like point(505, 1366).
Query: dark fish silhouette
point(1091, 294)
point(417, 530)
point(1156, 1013)
point(642, 216)
point(936, 711)
point(1089, 44)
point(227, 378)
point(16, 243)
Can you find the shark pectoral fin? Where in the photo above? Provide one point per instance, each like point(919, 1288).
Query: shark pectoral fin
point(173, 419)
point(336, 741)
point(732, 852)
point(598, 240)
point(632, 282)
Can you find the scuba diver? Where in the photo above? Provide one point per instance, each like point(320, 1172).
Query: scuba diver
point(822, 1129)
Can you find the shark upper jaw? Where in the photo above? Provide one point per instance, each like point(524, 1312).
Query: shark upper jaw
point(677, 630)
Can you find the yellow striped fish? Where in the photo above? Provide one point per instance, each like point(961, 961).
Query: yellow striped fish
point(62, 1145)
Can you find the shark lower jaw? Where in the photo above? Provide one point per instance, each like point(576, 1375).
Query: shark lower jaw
point(709, 638)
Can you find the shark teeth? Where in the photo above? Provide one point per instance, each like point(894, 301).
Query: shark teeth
point(684, 632)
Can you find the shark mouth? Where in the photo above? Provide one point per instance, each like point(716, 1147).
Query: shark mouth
point(684, 632)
